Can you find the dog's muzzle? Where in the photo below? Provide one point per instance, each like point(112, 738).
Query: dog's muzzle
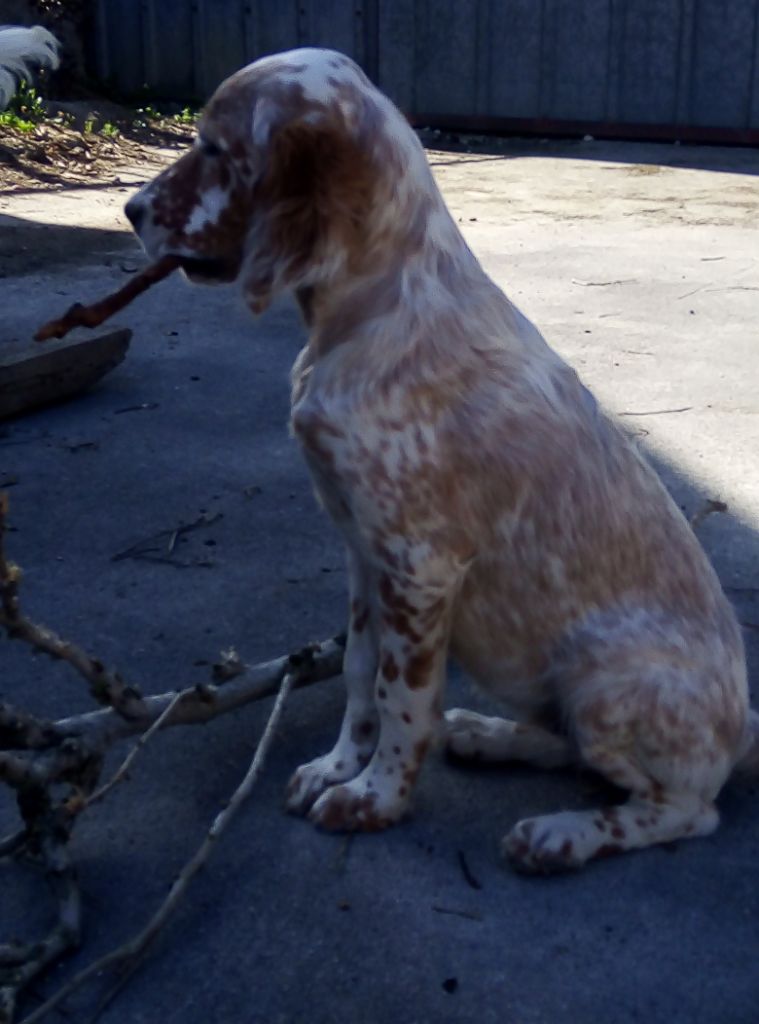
point(135, 211)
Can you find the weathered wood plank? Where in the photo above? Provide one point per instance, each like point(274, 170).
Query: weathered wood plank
point(34, 375)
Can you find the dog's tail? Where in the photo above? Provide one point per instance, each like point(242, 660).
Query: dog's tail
point(20, 47)
point(748, 762)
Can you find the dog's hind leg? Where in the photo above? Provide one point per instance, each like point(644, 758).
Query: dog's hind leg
point(471, 736)
point(668, 732)
point(558, 842)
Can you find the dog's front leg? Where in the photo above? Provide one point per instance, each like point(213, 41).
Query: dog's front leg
point(358, 734)
point(414, 626)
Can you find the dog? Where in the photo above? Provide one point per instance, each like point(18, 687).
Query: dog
point(490, 508)
point(20, 47)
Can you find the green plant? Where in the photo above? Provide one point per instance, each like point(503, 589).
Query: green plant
point(10, 120)
point(150, 113)
point(27, 105)
point(111, 130)
point(187, 116)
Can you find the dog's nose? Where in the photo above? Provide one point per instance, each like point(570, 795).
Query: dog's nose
point(135, 211)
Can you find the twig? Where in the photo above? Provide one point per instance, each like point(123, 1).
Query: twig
point(603, 284)
point(106, 687)
point(658, 412)
point(466, 871)
point(131, 953)
point(77, 740)
point(94, 315)
point(16, 771)
point(470, 915)
point(21, 731)
point(144, 739)
point(200, 704)
point(80, 739)
point(11, 844)
point(44, 754)
point(47, 836)
point(151, 549)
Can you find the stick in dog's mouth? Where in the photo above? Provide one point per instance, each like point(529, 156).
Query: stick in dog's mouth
point(95, 314)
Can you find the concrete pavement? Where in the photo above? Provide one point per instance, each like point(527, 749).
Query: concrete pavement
point(640, 265)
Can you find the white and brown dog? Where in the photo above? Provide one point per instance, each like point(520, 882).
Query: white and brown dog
point(490, 509)
point(20, 47)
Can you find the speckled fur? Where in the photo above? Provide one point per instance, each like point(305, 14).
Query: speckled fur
point(489, 507)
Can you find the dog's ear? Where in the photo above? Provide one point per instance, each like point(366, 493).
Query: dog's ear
point(267, 115)
point(316, 183)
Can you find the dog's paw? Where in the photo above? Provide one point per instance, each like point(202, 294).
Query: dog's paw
point(463, 734)
point(311, 780)
point(551, 843)
point(357, 806)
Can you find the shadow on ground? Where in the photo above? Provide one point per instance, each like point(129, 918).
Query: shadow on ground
point(30, 246)
point(735, 160)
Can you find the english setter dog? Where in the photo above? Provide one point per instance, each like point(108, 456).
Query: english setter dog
point(490, 508)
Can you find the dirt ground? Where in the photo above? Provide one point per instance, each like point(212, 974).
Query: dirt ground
point(60, 158)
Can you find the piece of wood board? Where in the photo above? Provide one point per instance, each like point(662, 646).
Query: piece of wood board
point(33, 375)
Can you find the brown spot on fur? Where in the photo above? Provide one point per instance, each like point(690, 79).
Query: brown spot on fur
point(657, 794)
point(406, 717)
point(360, 621)
point(401, 625)
point(380, 549)
point(390, 668)
point(417, 670)
point(392, 599)
point(420, 750)
point(410, 772)
point(345, 812)
point(608, 849)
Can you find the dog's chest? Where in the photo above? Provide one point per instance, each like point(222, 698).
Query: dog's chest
point(324, 442)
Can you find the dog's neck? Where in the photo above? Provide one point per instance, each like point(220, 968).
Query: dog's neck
point(415, 271)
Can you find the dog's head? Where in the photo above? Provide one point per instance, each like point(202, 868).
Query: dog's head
point(301, 171)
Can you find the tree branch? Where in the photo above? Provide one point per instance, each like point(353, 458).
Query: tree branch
point(38, 756)
point(130, 955)
point(106, 687)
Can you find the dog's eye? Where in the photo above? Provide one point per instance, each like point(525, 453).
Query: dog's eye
point(209, 148)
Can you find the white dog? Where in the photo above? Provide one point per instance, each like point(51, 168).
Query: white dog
point(489, 507)
point(20, 47)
